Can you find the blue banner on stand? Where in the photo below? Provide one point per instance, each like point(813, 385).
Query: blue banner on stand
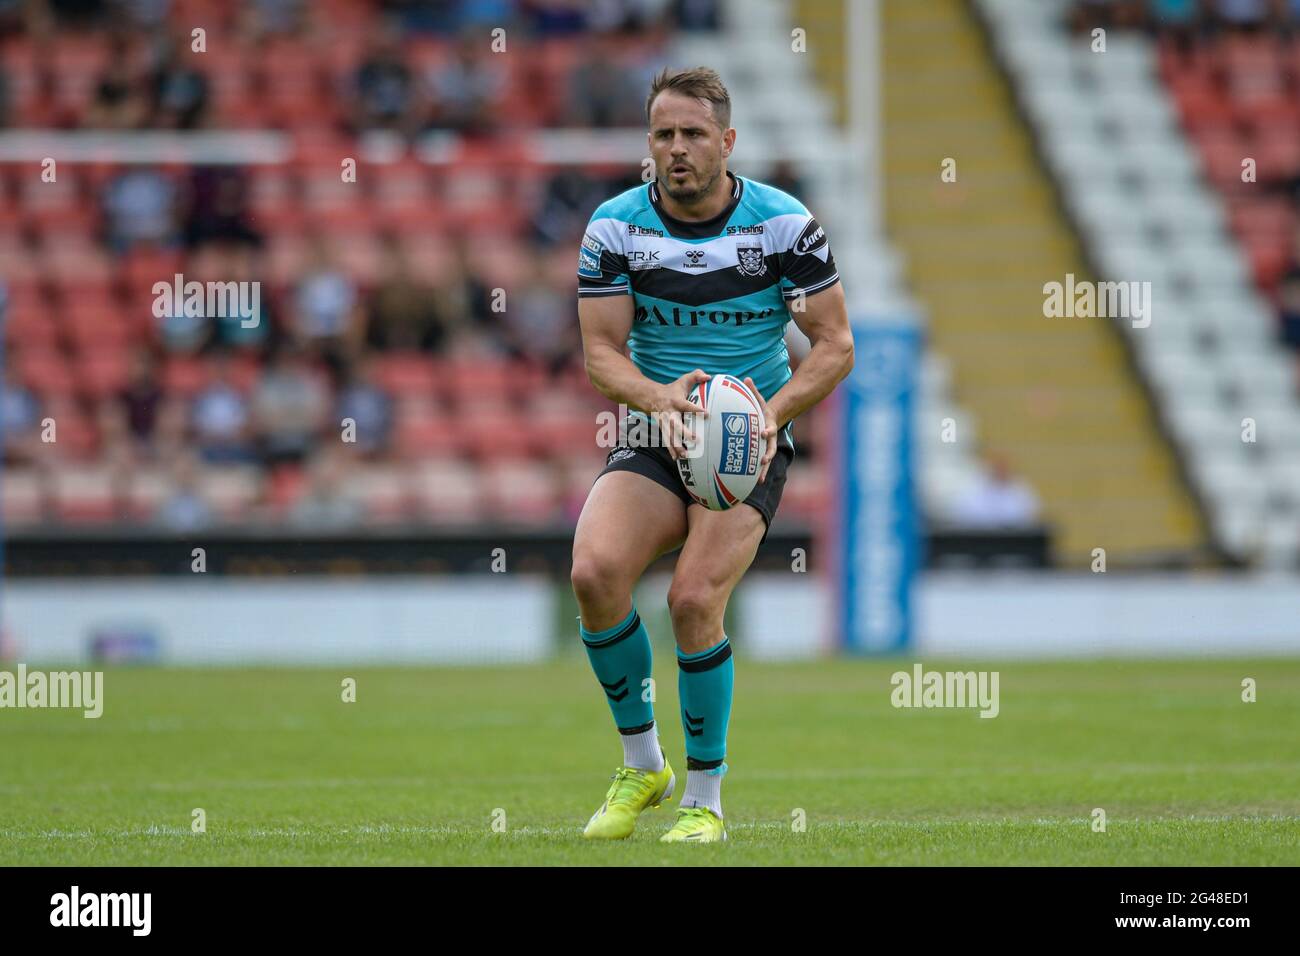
point(879, 548)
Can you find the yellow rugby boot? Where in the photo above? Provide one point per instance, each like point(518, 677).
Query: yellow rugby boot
point(631, 792)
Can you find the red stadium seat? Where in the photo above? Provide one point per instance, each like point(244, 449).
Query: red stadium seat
point(524, 492)
point(406, 374)
point(184, 376)
point(232, 490)
point(437, 435)
point(148, 489)
point(448, 491)
point(496, 432)
point(85, 494)
point(45, 371)
point(102, 373)
point(23, 496)
point(385, 492)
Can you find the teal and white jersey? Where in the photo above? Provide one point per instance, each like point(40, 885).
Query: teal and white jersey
point(709, 295)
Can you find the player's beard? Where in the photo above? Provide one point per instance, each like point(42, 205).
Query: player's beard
point(687, 195)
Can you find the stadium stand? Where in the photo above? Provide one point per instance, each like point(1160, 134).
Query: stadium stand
point(1150, 141)
point(474, 174)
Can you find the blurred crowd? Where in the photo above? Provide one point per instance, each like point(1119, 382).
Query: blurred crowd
point(365, 290)
point(1233, 69)
point(409, 66)
point(1188, 16)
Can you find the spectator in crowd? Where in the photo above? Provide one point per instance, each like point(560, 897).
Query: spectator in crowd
point(119, 101)
point(15, 15)
point(178, 90)
point(368, 406)
point(145, 14)
point(1179, 19)
point(130, 422)
point(217, 208)
point(1289, 312)
point(20, 414)
point(1090, 14)
point(465, 289)
point(262, 19)
point(221, 418)
point(78, 14)
point(997, 500)
point(232, 328)
point(538, 324)
point(1175, 13)
point(567, 203)
point(1246, 15)
point(557, 18)
point(328, 317)
point(140, 206)
point(404, 314)
point(182, 332)
point(695, 15)
point(602, 92)
point(783, 175)
point(185, 508)
point(383, 90)
point(330, 502)
point(289, 408)
point(466, 91)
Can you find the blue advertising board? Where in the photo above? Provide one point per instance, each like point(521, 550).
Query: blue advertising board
point(877, 526)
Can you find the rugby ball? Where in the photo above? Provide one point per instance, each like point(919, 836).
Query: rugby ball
point(720, 467)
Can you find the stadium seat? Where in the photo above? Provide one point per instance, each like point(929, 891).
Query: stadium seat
point(385, 492)
point(448, 491)
point(85, 493)
point(23, 495)
point(524, 492)
point(232, 490)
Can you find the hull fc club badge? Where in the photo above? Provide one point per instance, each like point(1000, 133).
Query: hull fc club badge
point(751, 261)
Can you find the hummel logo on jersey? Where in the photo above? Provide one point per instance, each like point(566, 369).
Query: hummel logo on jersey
point(695, 255)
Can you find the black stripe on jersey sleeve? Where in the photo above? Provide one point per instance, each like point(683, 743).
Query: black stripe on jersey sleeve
point(613, 274)
point(800, 264)
point(809, 290)
point(587, 289)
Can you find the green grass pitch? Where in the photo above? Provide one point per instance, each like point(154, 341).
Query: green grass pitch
point(419, 767)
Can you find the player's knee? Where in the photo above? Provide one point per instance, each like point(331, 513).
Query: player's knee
point(595, 580)
point(691, 604)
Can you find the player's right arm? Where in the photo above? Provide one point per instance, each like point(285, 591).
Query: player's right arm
point(606, 322)
point(605, 313)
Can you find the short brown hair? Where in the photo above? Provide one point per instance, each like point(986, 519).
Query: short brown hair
point(701, 83)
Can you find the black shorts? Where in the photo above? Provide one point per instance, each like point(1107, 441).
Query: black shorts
point(656, 464)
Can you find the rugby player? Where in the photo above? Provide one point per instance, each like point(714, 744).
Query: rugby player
point(693, 274)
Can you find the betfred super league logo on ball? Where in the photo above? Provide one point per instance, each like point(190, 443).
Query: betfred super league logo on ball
point(741, 454)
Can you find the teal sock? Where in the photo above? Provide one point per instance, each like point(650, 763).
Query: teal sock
point(622, 658)
point(704, 684)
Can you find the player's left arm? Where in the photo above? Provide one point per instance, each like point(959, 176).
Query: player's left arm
point(824, 318)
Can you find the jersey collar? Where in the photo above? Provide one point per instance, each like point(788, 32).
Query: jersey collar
point(704, 229)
